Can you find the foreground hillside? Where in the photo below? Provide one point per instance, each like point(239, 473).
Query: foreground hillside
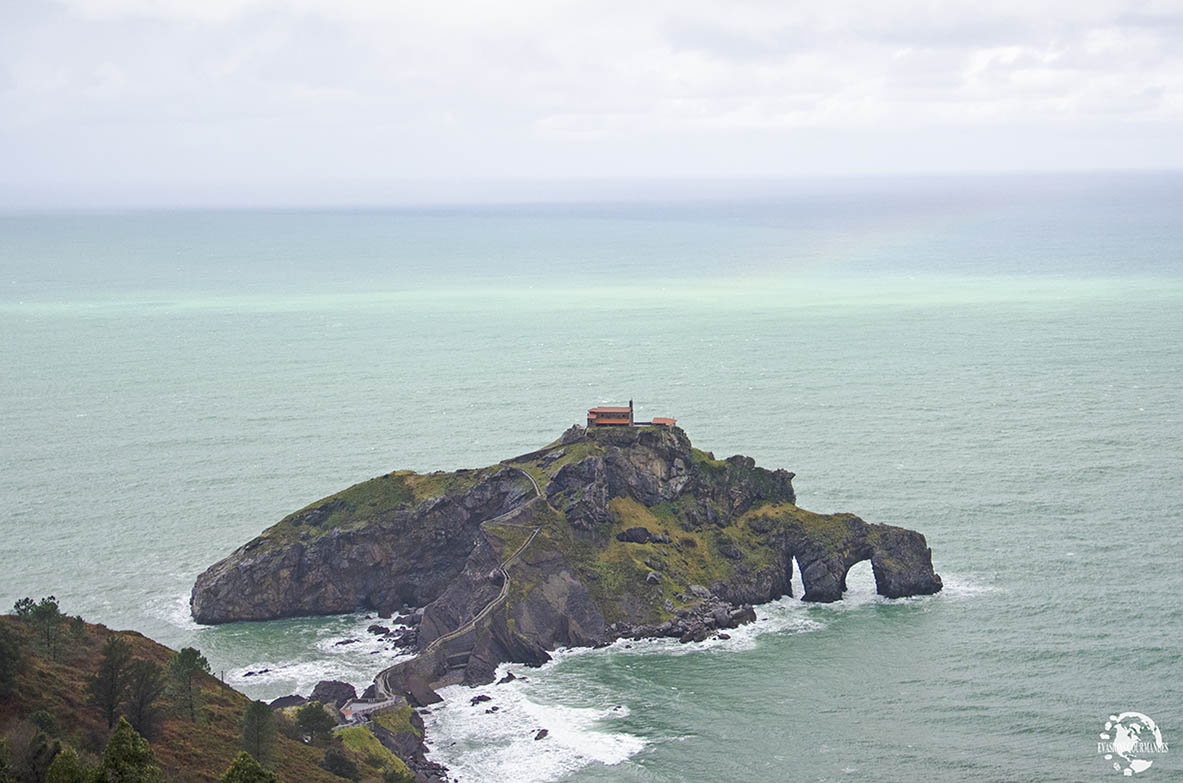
point(606, 532)
point(47, 706)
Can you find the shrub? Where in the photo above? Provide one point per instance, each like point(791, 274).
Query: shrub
point(315, 721)
point(128, 758)
point(246, 770)
point(45, 721)
point(339, 764)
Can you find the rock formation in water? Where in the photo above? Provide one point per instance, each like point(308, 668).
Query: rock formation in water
point(607, 532)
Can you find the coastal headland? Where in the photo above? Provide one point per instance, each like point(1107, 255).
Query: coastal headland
point(607, 532)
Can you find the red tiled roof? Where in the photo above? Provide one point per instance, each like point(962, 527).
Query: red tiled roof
point(608, 409)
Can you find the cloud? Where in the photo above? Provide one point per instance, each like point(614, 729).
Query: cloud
point(270, 91)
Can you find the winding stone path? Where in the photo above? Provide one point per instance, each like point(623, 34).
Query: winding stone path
point(461, 659)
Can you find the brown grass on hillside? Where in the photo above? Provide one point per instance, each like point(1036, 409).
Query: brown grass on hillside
point(189, 752)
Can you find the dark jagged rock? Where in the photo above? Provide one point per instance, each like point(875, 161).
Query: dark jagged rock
point(581, 490)
point(603, 564)
point(380, 630)
point(692, 624)
point(404, 638)
point(634, 535)
point(640, 535)
point(295, 700)
point(481, 697)
point(333, 692)
point(542, 734)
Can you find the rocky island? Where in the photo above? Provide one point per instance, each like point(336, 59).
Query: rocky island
point(606, 532)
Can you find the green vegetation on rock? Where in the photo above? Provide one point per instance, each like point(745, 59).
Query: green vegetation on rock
point(397, 720)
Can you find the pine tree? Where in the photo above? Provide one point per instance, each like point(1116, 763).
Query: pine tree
point(128, 759)
point(145, 686)
point(47, 618)
point(66, 768)
point(184, 670)
point(23, 608)
point(11, 659)
point(109, 684)
point(246, 770)
point(258, 731)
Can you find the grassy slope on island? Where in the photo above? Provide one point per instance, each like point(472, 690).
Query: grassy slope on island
point(368, 502)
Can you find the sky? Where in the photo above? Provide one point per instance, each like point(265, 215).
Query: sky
point(371, 102)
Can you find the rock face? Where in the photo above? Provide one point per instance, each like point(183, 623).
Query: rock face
point(632, 532)
point(694, 624)
point(370, 547)
point(333, 692)
point(407, 743)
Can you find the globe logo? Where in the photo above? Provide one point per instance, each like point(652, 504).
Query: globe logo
point(1129, 739)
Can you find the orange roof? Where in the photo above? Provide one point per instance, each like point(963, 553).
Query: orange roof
point(608, 409)
point(664, 420)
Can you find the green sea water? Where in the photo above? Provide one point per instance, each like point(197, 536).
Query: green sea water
point(994, 362)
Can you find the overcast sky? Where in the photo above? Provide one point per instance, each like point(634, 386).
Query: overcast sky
point(385, 101)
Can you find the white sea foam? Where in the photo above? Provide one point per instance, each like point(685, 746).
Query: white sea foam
point(295, 676)
point(477, 745)
point(960, 586)
point(175, 611)
point(355, 663)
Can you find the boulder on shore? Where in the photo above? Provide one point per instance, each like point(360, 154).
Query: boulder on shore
point(333, 692)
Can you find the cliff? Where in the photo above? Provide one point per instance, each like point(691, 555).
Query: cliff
point(604, 533)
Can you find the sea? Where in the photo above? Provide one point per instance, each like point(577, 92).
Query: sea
point(994, 361)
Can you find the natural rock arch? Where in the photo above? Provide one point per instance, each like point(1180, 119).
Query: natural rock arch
point(901, 561)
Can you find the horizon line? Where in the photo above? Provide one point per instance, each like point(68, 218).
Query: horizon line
point(439, 193)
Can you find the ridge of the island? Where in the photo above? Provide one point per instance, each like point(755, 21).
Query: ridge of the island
point(617, 529)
